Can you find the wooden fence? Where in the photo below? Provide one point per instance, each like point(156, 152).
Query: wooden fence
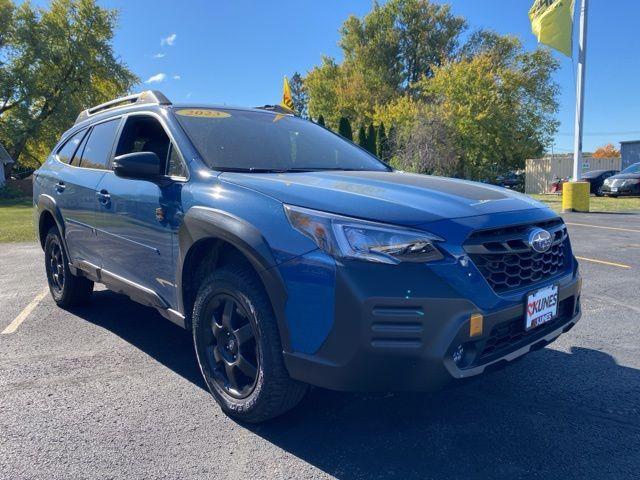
point(541, 172)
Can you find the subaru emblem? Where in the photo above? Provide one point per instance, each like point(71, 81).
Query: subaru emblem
point(539, 240)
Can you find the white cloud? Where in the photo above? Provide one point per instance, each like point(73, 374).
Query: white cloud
point(170, 40)
point(158, 55)
point(157, 78)
point(177, 77)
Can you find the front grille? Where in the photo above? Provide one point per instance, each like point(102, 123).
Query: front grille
point(507, 262)
point(507, 336)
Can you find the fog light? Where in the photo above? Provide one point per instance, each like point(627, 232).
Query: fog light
point(458, 354)
point(475, 325)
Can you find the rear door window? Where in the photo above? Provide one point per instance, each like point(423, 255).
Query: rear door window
point(97, 151)
point(65, 153)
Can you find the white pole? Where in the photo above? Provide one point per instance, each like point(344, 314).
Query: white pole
point(582, 57)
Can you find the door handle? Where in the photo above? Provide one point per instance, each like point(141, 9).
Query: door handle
point(103, 197)
point(60, 186)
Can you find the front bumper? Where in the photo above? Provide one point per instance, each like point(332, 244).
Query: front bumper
point(631, 189)
point(406, 341)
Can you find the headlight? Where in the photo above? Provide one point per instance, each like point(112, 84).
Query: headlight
point(352, 238)
point(608, 181)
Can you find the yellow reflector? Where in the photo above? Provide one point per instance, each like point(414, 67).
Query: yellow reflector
point(475, 325)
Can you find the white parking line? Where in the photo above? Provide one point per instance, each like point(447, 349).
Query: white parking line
point(13, 326)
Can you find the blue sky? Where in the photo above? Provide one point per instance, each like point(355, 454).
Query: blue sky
point(236, 52)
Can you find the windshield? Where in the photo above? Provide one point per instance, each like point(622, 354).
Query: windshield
point(635, 168)
point(239, 140)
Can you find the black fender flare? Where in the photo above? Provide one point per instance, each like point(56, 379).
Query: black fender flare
point(47, 203)
point(201, 223)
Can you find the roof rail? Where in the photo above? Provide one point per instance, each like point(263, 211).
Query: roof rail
point(277, 108)
point(146, 97)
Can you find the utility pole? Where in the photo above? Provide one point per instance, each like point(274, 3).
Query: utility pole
point(582, 57)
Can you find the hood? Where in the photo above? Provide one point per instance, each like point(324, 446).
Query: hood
point(389, 197)
point(624, 176)
point(592, 174)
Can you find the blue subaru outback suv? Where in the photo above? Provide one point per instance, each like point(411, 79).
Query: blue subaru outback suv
point(295, 257)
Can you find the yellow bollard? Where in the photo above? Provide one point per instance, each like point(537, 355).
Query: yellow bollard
point(575, 196)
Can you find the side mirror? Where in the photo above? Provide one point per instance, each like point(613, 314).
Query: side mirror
point(138, 166)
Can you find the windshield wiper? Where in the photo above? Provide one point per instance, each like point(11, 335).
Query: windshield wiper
point(325, 169)
point(290, 170)
point(250, 170)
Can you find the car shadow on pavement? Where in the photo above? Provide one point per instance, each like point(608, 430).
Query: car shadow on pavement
point(554, 414)
point(145, 329)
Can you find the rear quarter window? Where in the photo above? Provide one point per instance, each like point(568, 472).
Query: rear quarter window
point(66, 152)
point(97, 151)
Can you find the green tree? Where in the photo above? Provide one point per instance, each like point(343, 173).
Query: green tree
point(500, 105)
point(344, 128)
point(428, 146)
point(55, 62)
point(382, 145)
point(362, 137)
point(321, 121)
point(299, 95)
point(392, 137)
point(385, 53)
point(371, 138)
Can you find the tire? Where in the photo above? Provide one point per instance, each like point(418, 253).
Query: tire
point(599, 192)
point(66, 289)
point(238, 348)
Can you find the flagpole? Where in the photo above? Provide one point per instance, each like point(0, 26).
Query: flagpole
point(582, 57)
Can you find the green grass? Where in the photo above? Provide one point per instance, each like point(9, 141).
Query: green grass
point(16, 221)
point(596, 204)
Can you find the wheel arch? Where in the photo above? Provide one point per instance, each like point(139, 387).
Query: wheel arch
point(212, 237)
point(49, 215)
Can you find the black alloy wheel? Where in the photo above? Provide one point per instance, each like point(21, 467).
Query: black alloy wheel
point(232, 351)
point(238, 348)
point(66, 288)
point(55, 265)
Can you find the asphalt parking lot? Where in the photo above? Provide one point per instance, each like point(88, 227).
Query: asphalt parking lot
point(113, 391)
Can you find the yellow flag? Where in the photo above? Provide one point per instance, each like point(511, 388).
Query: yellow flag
point(552, 23)
point(287, 99)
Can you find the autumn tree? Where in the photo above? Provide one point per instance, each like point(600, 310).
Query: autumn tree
point(606, 151)
point(385, 53)
point(499, 104)
point(486, 100)
point(53, 63)
point(428, 146)
point(299, 95)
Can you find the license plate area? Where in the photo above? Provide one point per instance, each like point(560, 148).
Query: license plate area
point(541, 307)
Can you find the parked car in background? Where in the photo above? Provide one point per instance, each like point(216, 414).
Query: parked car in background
point(596, 178)
point(512, 181)
point(296, 257)
point(627, 182)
